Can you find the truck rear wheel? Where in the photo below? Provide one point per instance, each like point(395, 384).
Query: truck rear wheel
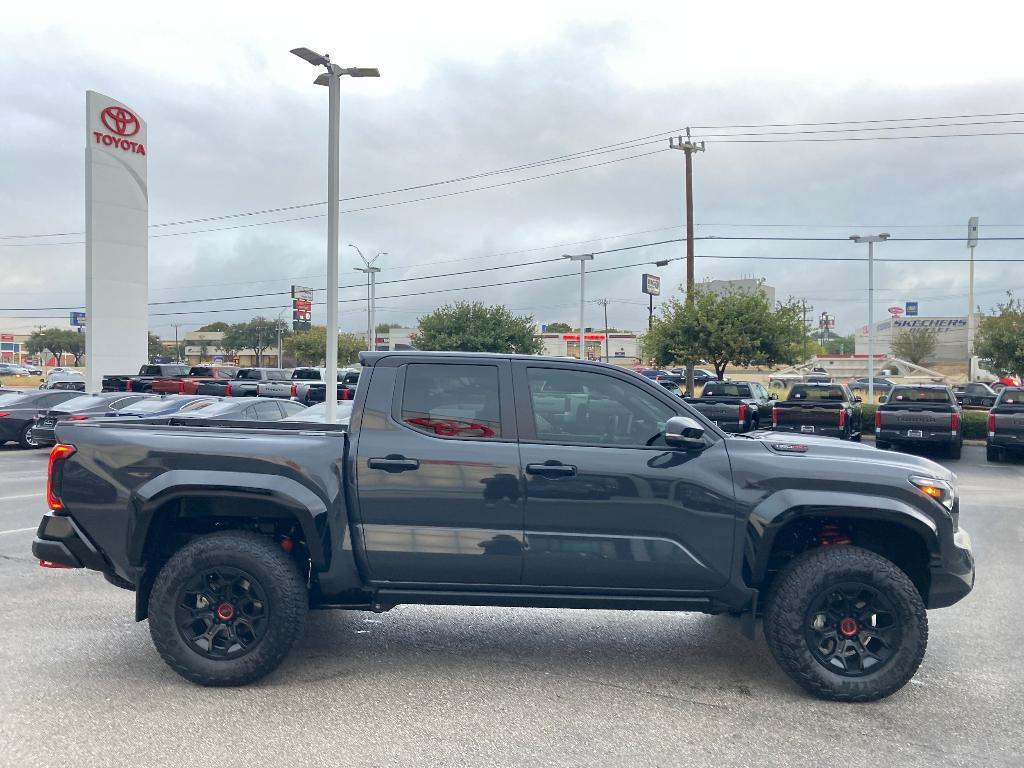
point(956, 450)
point(993, 454)
point(226, 608)
point(846, 624)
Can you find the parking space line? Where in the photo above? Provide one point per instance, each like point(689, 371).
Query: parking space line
point(21, 496)
point(20, 530)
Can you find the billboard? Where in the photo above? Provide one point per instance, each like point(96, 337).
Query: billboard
point(77, 319)
point(650, 284)
point(302, 308)
point(911, 309)
point(116, 239)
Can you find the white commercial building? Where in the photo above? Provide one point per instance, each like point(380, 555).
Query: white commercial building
point(743, 285)
point(620, 349)
point(950, 332)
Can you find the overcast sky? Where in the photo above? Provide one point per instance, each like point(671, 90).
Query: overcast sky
point(236, 125)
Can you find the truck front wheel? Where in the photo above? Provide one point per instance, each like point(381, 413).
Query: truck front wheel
point(846, 624)
point(226, 608)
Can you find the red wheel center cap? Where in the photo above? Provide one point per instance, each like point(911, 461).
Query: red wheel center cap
point(848, 627)
point(225, 611)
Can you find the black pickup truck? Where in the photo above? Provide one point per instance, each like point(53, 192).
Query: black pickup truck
point(1005, 428)
point(820, 409)
point(735, 406)
point(977, 394)
point(504, 480)
point(143, 380)
point(920, 414)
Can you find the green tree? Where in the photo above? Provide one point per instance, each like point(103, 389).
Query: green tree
point(999, 341)
point(476, 327)
point(308, 346)
point(914, 344)
point(57, 341)
point(257, 334)
point(218, 327)
point(840, 345)
point(385, 327)
point(739, 328)
point(156, 347)
point(559, 327)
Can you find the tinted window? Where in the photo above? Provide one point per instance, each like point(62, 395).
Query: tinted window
point(452, 400)
point(817, 393)
point(12, 399)
point(291, 408)
point(216, 410)
point(306, 374)
point(249, 374)
point(83, 402)
point(196, 405)
point(719, 389)
point(277, 375)
point(919, 395)
point(201, 370)
point(585, 407)
point(148, 406)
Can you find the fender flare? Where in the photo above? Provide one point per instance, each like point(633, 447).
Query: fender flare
point(778, 510)
point(309, 509)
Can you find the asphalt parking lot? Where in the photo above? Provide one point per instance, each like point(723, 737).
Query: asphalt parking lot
point(82, 685)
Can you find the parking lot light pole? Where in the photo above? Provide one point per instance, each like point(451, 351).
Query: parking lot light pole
point(331, 78)
point(582, 259)
point(871, 240)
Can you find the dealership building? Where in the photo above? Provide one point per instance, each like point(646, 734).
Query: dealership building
point(950, 335)
point(622, 348)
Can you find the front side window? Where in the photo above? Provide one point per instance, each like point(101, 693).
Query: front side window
point(454, 401)
point(584, 407)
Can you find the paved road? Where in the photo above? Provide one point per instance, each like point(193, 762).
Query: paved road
point(81, 684)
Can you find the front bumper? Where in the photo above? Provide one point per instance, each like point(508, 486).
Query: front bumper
point(60, 542)
point(953, 576)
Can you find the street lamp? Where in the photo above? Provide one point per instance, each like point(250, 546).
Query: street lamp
point(871, 240)
point(332, 79)
point(582, 259)
point(371, 295)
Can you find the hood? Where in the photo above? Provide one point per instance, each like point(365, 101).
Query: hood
point(832, 448)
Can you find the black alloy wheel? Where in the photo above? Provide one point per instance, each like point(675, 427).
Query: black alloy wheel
point(26, 439)
point(222, 613)
point(852, 629)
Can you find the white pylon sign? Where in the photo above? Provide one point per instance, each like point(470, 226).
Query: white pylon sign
point(116, 239)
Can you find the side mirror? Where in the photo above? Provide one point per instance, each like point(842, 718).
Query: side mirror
point(858, 399)
point(684, 432)
point(883, 399)
point(773, 396)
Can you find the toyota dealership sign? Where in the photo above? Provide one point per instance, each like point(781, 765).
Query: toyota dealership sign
point(116, 238)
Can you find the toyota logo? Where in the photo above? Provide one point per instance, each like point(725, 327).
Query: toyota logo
point(120, 121)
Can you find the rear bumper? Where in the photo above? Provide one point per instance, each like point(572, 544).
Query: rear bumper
point(1010, 442)
point(44, 435)
point(953, 578)
point(810, 429)
point(61, 542)
point(927, 437)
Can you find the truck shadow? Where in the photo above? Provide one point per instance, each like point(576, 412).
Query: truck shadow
point(650, 650)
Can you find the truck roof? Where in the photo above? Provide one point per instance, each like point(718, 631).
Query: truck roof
point(372, 358)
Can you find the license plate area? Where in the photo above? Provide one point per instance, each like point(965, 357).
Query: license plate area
point(915, 433)
point(806, 428)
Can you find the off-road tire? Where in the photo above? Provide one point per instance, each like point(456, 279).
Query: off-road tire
point(956, 450)
point(25, 439)
point(788, 612)
point(994, 455)
point(882, 445)
point(287, 601)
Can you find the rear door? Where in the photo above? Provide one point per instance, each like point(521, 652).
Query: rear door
point(608, 505)
point(437, 474)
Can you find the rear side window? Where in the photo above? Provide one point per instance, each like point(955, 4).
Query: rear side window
point(916, 395)
point(725, 390)
point(277, 375)
point(307, 374)
point(455, 401)
point(817, 393)
point(200, 370)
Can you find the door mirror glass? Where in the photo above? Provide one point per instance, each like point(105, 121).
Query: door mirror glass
point(883, 399)
point(858, 399)
point(684, 432)
point(773, 396)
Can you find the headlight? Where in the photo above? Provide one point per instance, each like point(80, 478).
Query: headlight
point(940, 490)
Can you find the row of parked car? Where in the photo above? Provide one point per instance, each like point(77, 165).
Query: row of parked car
point(304, 385)
point(30, 417)
point(910, 415)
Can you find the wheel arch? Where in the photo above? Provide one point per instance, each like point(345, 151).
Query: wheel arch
point(784, 527)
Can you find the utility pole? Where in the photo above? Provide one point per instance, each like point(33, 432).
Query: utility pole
point(688, 147)
point(804, 310)
point(177, 349)
point(972, 241)
point(582, 258)
point(871, 240)
point(604, 303)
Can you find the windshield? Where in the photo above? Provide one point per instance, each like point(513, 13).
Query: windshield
point(149, 406)
point(82, 403)
point(726, 390)
point(317, 414)
point(915, 395)
point(212, 408)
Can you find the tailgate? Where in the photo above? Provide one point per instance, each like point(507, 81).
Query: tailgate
point(1007, 424)
point(816, 414)
point(717, 411)
point(930, 419)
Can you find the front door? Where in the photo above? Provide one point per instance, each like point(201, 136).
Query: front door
point(437, 469)
point(608, 504)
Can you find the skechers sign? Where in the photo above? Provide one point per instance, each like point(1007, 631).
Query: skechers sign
point(124, 123)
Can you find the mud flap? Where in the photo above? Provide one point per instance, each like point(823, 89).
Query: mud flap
point(748, 621)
